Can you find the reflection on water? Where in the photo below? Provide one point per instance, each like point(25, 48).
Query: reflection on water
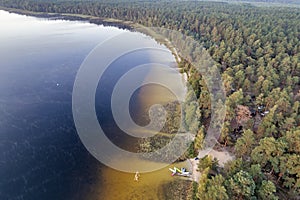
point(41, 156)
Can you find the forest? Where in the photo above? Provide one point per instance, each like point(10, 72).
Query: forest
point(292, 2)
point(257, 50)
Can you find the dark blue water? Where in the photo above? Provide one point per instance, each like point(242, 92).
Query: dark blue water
point(41, 156)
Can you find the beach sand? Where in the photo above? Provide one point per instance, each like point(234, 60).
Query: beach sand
point(222, 156)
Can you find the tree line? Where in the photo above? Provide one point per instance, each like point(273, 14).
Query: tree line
point(257, 51)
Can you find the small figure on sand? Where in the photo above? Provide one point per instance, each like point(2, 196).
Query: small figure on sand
point(136, 176)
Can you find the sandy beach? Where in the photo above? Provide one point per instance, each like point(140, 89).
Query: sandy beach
point(222, 156)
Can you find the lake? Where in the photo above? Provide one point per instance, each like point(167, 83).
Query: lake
point(41, 154)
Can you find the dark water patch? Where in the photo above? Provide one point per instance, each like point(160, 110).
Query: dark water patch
point(41, 155)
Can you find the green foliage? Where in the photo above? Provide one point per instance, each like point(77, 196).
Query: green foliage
point(191, 153)
point(268, 125)
point(202, 183)
point(233, 166)
point(244, 144)
point(211, 189)
point(269, 151)
point(256, 174)
point(257, 52)
point(192, 116)
point(199, 139)
point(225, 134)
point(241, 186)
point(215, 189)
point(231, 103)
point(207, 162)
point(293, 140)
point(195, 191)
point(282, 157)
point(267, 191)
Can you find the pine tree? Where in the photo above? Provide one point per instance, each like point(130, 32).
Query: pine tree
point(244, 144)
point(267, 191)
point(241, 186)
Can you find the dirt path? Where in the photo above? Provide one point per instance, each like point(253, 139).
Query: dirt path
point(222, 156)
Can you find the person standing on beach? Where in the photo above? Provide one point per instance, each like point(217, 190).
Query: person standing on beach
point(136, 176)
